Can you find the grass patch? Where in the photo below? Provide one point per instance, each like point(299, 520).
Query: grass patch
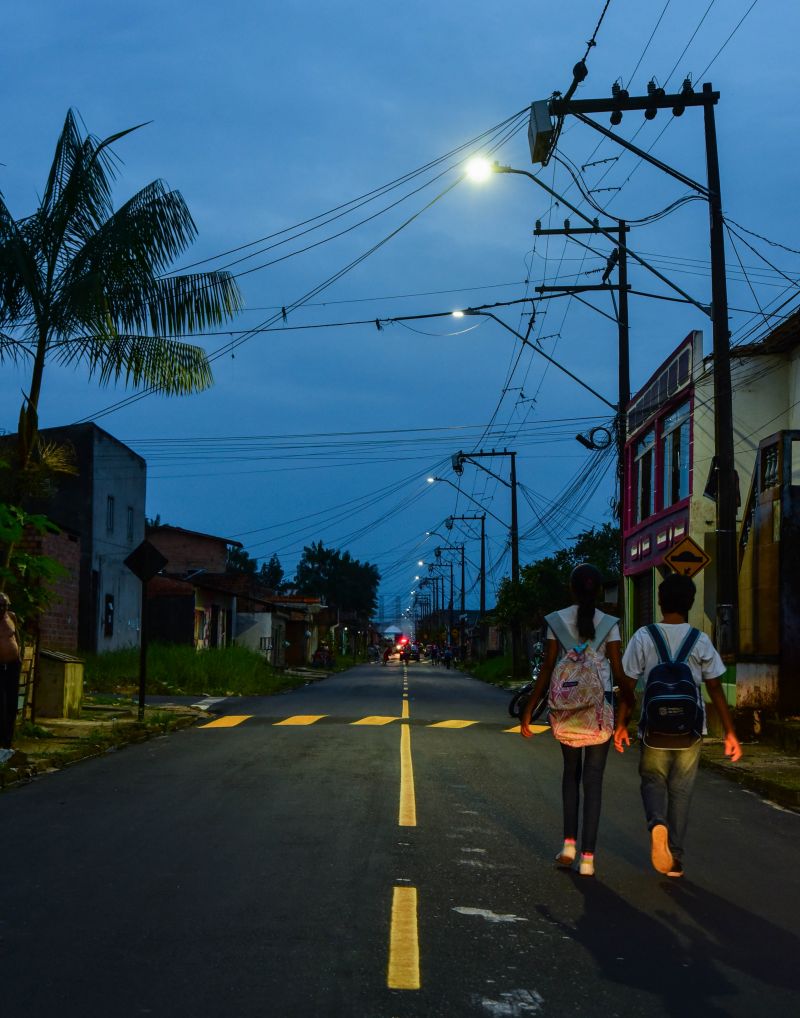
point(28, 730)
point(174, 670)
point(494, 670)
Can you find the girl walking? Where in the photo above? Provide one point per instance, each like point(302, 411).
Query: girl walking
point(582, 655)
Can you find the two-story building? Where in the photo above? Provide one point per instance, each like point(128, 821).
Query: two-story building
point(670, 494)
point(103, 505)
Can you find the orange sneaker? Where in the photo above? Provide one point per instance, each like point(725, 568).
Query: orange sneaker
point(660, 855)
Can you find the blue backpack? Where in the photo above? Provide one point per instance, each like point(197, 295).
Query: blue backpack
point(672, 704)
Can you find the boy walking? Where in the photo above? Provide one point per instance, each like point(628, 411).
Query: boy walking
point(670, 743)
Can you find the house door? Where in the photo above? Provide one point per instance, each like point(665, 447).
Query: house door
point(213, 636)
point(643, 601)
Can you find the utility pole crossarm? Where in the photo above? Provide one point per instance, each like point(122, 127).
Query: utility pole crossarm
point(565, 107)
point(606, 233)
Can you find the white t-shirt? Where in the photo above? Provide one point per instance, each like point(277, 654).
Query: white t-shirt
point(641, 656)
point(569, 616)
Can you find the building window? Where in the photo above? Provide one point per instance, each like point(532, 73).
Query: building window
point(108, 616)
point(675, 456)
point(644, 477)
point(130, 523)
point(110, 514)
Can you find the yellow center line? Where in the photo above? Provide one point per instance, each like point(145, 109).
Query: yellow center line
point(408, 805)
point(403, 972)
point(405, 713)
point(229, 721)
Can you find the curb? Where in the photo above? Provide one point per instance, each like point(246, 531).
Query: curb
point(788, 798)
point(12, 776)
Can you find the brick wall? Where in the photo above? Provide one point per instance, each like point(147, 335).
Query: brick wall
point(58, 626)
point(188, 552)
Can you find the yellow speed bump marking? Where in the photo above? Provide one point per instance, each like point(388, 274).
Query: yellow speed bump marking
point(536, 729)
point(229, 721)
point(403, 972)
point(301, 719)
point(407, 814)
point(452, 724)
point(375, 720)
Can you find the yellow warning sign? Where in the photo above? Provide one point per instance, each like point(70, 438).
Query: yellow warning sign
point(687, 557)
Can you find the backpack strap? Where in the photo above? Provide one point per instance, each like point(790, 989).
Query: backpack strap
point(662, 649)
point(603, 629)
point(565, 638)
point(559, 629)
point(687, 646)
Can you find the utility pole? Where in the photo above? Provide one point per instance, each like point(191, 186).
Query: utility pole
point(518, 659)
point(727, 565)
point(449, 524)
point(656, 99)
point(618, 258)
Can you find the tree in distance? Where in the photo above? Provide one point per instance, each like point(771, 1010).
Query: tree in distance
point(270, 574)
point(544, 585)
point(344, 582)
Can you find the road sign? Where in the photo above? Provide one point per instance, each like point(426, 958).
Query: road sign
point(145, 561)
point(687, 557)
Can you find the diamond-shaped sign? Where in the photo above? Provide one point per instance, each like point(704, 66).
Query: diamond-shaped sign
point(145, 561)
point(687, 557)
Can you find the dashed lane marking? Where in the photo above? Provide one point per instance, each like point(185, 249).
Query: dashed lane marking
point(229, 721)
point(373, 720)
point(301, 719)
point(407, 813)
point(403, 972)
point(536, 729)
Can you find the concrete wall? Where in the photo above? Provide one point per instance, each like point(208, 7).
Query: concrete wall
point(251, 628)
point(119, 474)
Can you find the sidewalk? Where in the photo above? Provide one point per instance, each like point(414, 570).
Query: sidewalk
point(54, 743)
point(768, 770)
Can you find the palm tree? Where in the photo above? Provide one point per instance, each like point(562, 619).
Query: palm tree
point(81, 283)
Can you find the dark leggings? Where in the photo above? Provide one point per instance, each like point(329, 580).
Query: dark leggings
point(588, 762)
point(9, 691)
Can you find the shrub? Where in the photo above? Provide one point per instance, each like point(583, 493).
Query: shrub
point(174, 670)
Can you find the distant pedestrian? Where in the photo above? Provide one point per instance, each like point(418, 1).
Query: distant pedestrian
point(10, 667)
point(581, 654)
point(674, 659)
point(448, 657)
point(386, 655)
point(435, 654)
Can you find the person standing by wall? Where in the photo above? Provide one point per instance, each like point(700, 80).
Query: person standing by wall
point(10, 667)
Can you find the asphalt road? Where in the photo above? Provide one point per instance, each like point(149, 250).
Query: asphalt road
point(260, 869)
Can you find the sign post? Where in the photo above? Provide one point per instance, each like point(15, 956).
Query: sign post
point(145, 561)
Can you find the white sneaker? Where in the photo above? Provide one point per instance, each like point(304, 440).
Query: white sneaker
point(586, 868)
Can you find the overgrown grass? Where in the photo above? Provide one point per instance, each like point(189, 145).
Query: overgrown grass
point(495, 670)
point(174, 670)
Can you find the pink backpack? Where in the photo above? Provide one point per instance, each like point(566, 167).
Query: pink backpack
point(581, 708)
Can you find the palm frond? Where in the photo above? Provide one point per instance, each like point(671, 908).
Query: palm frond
point(167, 365)
point(187, 303)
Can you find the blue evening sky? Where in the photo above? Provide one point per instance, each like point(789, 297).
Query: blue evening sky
point(267, 115)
